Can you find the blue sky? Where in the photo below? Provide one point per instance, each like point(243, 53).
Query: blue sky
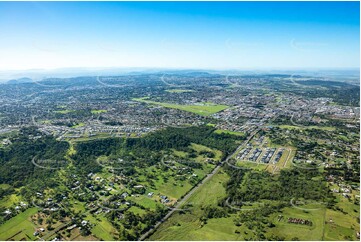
point(219, 35)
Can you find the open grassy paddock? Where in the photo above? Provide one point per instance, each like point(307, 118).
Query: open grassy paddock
point(187, 226)
point(64, 111)
point(102, 229)
point(307, 127)
point(178, 90)
point(19, 227)
point(98, 111)
point(204, 109)
point(303, 232)
point(221, 131)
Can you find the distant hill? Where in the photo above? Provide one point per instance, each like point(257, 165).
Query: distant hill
point(20, 80)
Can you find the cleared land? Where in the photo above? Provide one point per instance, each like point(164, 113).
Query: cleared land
point(178, 90)
point(64, 111)
point(19, 227)
point(205, 109)
point(302, 232)
point(222, 131)
point(307, 127)
point(102, 229)
point(99, 111)
point(78, 125)
point(187, 226)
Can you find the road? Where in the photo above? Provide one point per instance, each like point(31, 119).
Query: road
point(167, 83)
point(288, 157)
point(295, 124)
point(191, 192)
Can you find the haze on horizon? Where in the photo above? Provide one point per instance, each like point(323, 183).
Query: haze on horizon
point(204, 35)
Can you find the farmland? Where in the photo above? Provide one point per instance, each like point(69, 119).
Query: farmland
point(19, 227)
point(186, 225)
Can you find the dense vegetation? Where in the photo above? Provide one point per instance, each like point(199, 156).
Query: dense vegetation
point(181, 138)
point(16, 165)
point(293, 183)
point(145, 150)
point(87, 152)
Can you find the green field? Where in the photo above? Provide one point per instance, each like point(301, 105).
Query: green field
point(178, 90)
point(340, 226)
point(221, 131)
point(205, 110)
point(187, 226)
point(172, 188)
point(168, 184)
point(199, 148)
point(64, 111)
point(78, 125)
point(97, 111)
point(78, 207)
point(19, 227)
point(252, 165)
point(4, 186)
point(145, 201)
point(83, 139)
point(102, 229)
point(178, 153)
point(307, 127)
point(137, 210)
point(45, 121)
point(302, 232)
point(9, 200)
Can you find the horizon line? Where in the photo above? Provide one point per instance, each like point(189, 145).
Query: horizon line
point(185, 68)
